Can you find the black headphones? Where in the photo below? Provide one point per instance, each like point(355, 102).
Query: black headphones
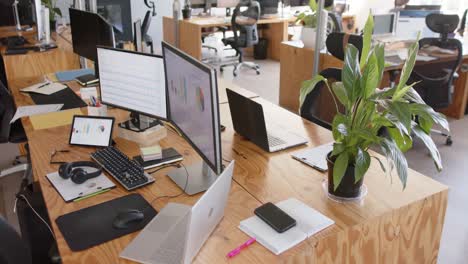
point(79, 175)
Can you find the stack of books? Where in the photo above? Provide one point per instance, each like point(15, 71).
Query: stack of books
point(151, 153)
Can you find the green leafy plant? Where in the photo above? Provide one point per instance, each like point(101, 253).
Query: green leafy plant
point(53, 9)
point(309, 19)
point(367, 110)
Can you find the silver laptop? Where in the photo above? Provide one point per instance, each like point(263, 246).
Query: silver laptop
point(249, 121)
point(178, 232)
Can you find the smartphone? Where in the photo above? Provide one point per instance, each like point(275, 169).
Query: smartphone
point(275, 217)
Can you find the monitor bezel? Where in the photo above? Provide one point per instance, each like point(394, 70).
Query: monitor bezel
point(129, 109)
point(217, 168)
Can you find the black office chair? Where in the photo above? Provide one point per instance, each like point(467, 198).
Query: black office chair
point(337, 41)
point(144, 31)
point(244, 26)
point(11, 133)
point(461, 30)
point(334, 23)
point(436, 79)
point(318, 106)
point(12, 248)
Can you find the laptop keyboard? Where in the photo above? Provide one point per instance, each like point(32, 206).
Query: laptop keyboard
point(172, 250)
point(275, 141)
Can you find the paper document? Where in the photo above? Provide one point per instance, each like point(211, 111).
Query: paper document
point(46, 88)
point(309, 222)
point(71, 191)
point(315, 157)
point(31, 110)
point(86, 93)
point(56, 119)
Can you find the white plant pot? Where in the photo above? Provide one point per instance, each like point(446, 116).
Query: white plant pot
point(308, 37)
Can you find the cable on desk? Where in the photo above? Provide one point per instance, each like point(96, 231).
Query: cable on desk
point(177, 165)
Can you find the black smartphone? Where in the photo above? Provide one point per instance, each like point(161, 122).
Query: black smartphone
point(275, 217)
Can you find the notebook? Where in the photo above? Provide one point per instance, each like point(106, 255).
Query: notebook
point(315, 157)
point(55, 119)
point(46, 88)
point(309, 222)
point(66, 76)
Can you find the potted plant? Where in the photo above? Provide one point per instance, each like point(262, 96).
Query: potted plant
point(187, 11)
point(54, 11)
point(367, 110)
point(309, 21)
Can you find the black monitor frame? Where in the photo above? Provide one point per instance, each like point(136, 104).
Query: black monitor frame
point(217, 168)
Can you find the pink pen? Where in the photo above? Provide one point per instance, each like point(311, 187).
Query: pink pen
point(236, 251)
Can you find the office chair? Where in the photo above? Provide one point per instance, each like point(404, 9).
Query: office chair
point(11, 133)
point(318, 106)
point(461, 30)
point(144, 31)
point(334, 23)
point(336, 43)
point(244, 26)
point(436, 79)
point(12, 248)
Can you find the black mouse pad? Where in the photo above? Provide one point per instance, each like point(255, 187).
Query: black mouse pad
point(92, 226)
point(67, 97)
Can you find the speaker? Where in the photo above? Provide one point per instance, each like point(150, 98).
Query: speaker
point(79, 175)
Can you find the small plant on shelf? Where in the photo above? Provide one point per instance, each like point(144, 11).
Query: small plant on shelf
point(367, 111)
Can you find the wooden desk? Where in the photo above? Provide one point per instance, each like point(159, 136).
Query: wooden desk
point(10, 31)
point(297, 64)
point(190, 33)
point(34, 64)
point(388, 226)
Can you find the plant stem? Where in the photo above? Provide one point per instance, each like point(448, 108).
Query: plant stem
point(333, 96)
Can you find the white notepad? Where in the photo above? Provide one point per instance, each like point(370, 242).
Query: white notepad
point(315, 157)
point(46, 88)
point(309, 222)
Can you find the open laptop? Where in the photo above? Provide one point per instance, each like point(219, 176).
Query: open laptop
point(178, 232)
point(249, 121)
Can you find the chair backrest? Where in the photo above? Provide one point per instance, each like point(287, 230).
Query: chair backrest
point(318, 106)
point(461, 30)
point(244, 24)
point(337, 41)
point(436, 78)
point(12, 248)
point(7, 110)
point(146, 24)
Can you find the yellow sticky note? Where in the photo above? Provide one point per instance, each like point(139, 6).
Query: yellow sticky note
point(54, 119)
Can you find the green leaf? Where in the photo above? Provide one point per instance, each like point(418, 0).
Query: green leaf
point(394, 154)
point(338, 148)
point(339, 169)
point(340, 92)
point(308, 86)
point(426, 112)
point(370, 77)
point(402, 140)
point(337, 120)
point(367, 39)
point(427, 140)
point(413, 96)
point(402, 113)
point(362, 164)
point(409, 64)
point(313, 5)
point(381, 164)
point(58, 11)
point(379, 51)
point(351, 73)
point(425, 124)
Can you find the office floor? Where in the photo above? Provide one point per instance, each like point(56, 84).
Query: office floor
point(455, 234)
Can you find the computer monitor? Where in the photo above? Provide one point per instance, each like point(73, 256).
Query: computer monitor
point(119, 14)
point(137, 41)
point(192, 99)
point(297, 2)
point(268, 7)
point(88, 31)
point(133, 81)
point(384, 24)
point(203, 4)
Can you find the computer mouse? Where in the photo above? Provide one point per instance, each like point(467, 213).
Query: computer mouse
point(126, 219)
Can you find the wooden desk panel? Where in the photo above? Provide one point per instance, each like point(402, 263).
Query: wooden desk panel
point(388, 226)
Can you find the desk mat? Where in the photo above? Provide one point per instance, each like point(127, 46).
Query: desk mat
point(67, 97)
point(93, 225)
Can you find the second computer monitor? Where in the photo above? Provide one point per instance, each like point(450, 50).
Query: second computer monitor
point(132, 81)
point(193, 104)
point(384, 24)
point(268, 7)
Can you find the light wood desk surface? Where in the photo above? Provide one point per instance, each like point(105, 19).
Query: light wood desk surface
point(388, 226)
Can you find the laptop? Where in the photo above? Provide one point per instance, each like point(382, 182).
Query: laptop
point(177, 233)
point(249, 121)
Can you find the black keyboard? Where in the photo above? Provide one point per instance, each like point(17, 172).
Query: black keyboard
point(126, 171)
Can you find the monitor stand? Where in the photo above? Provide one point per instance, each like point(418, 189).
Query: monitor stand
point(139, 122)
point(200, 177)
